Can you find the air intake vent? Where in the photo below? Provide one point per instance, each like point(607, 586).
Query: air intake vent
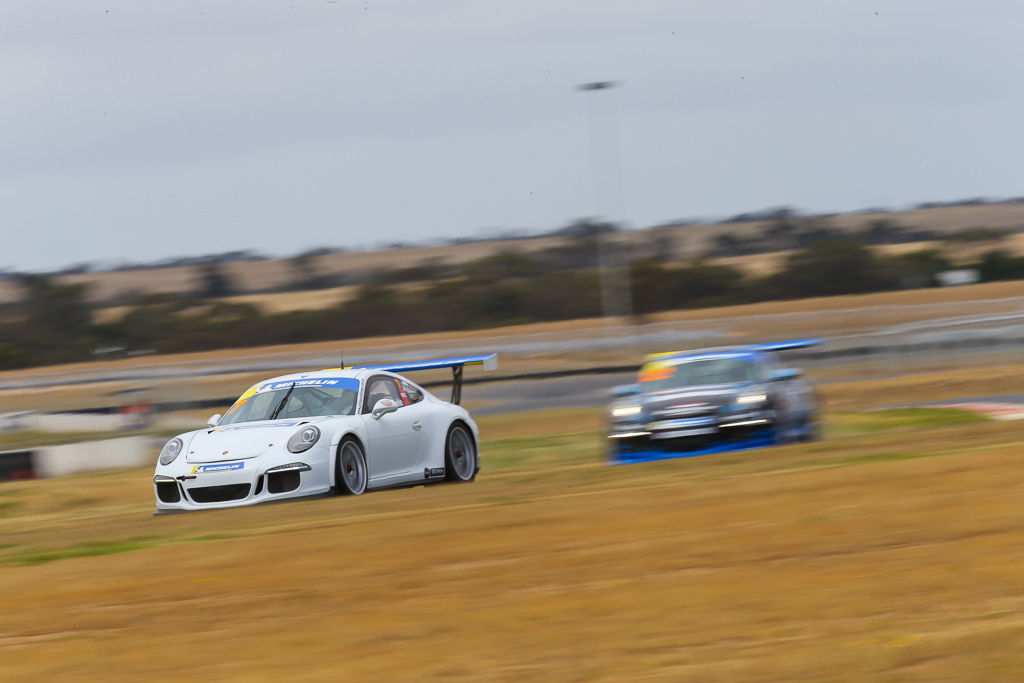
point(168, 492)
point(282, 482)
point(219, 494)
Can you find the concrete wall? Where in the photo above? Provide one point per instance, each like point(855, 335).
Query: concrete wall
point(64, 422)
point(95, 456)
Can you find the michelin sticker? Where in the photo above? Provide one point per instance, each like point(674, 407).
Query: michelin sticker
point(219, 467)
point(343, 382)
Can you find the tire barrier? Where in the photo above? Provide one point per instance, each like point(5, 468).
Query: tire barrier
point(17, 465)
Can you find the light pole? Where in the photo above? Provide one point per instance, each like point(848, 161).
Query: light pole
point(613, 263)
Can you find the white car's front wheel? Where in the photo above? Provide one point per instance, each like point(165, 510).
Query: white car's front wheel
point(350, 468)
point(460, 456)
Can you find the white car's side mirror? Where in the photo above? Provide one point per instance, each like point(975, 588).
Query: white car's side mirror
point(384, 406)
point(214, 420)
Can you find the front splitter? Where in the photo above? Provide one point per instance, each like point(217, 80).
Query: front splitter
point(159, 512)
point(626, 455)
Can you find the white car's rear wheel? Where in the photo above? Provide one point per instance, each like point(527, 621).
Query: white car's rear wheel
point(460, 456)
point(351, 475)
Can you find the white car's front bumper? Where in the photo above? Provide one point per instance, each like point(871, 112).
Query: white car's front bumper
point(235, 483)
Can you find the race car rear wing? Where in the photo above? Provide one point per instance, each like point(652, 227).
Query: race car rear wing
point(786, 345)
point(488, 360)
point(768, 346)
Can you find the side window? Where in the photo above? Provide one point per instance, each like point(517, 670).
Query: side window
point(377, 388)
point(764, 371)
point(411, 393)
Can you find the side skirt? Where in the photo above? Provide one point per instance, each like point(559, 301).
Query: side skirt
point(426, 476)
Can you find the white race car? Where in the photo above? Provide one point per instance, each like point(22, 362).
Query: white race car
point(347, 430)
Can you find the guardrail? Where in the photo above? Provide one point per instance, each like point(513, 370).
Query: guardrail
point(833, 351)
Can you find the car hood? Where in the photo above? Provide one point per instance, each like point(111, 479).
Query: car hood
point(244, 440)
point(696, 400)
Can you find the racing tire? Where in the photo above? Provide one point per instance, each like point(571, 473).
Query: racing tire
point(811, 430)
point(350, 472)
point(461, 459)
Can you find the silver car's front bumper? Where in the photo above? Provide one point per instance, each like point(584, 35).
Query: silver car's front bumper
point(719, 425)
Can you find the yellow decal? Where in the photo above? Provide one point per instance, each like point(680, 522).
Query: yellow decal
point(654, 356)
point(249, 393)
point(656, 370)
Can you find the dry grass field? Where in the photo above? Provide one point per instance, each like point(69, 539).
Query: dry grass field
point(279, 302)
point(965, 252)
point(890, 551)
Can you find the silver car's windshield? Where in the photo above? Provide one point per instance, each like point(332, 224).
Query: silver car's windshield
point(283, 400)
point(700, 372)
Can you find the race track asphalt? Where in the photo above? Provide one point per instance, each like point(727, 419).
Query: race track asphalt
point(582, 391)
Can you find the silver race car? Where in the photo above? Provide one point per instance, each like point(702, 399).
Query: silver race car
point(711, 400)
point(347, 430)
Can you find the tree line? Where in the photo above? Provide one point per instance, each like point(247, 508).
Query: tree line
point(53, 323)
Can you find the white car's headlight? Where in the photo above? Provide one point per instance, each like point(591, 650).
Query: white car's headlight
point(303, 439)
point(171, 450)
point(626, 411)
point(754, 397)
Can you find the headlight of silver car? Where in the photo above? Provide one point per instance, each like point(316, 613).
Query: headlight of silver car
point(752, 397)
point(170, 451)
point(303, 439)
point(626, 411)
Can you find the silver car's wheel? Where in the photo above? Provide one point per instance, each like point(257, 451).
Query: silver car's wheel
point(351, 475)
point(460, 456)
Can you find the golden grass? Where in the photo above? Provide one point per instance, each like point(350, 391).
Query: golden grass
point(760, 265)
point(936, 385)
point(849, 559)
point(863, 306)
point(278, 302)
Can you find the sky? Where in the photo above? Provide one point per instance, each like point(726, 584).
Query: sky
point(138, 131)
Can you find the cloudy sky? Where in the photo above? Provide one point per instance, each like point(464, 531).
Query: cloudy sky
point(141, 130)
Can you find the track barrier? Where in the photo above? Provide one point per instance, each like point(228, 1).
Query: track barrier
point(77, 458)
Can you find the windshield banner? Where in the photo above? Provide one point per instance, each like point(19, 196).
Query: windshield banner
point(341, 382)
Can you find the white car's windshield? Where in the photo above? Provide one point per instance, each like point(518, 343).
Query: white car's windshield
point(699, 372)
point(293, 399)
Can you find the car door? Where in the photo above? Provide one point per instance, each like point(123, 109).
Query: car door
point(420, 412)
point(393, 438)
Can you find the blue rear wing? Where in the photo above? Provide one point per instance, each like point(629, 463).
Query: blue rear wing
point(488, 360)
point(767, 347)
point(786, 345)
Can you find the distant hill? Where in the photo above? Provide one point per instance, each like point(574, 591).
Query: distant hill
point(675, 241)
